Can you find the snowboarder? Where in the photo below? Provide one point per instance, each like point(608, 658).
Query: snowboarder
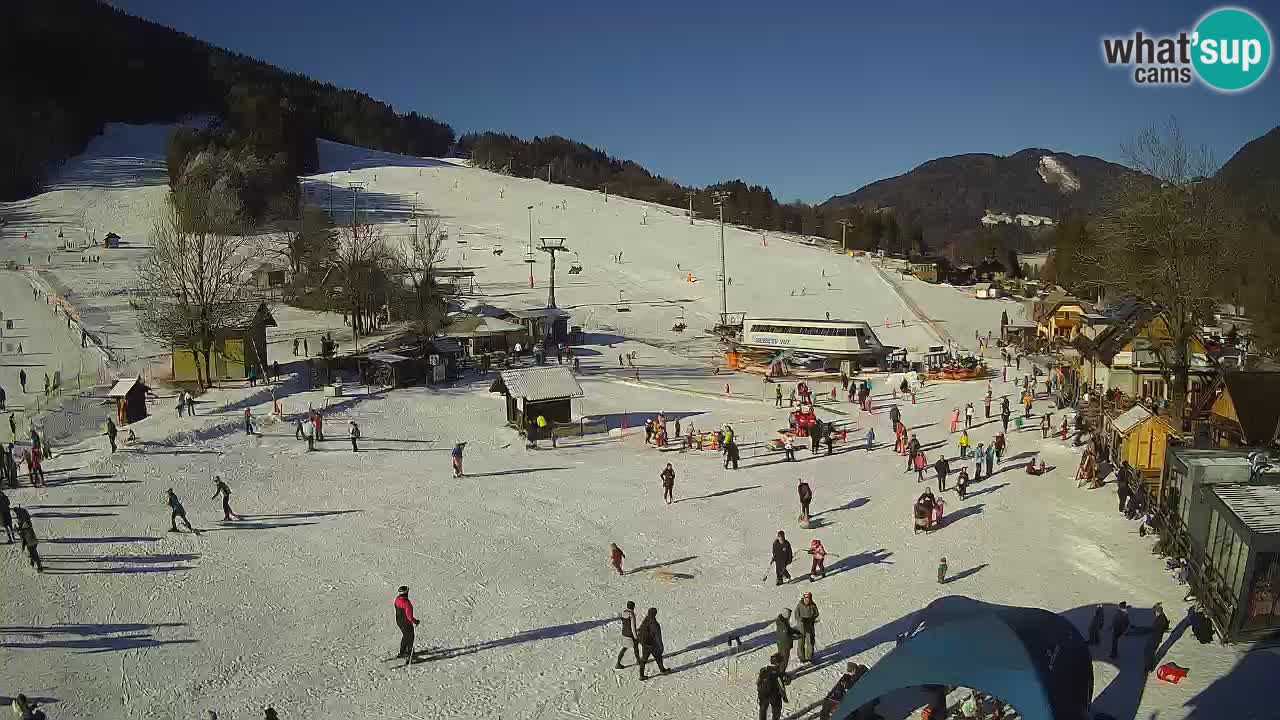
point(1119, 626)
point(771, 687)
point(1159, 626)
point(405, 621)
point(220, 488)
point(807, 615)
point(6, 517)
point(782, 557)
point(177, 511)
point(353, 430)
point(456, 455)
point(616, 557)
point(650, 637)
point(806, 496)
point(1095, 625)
point(942, 468)
point(942, 571)
point(818, 568)
point(784, 635)
point(668, 477)
point(628, 619)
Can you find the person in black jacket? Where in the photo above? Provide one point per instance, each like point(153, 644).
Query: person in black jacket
point(942, 467)
point(1123, 491)
point(1095, 626)
point(731, 454)
point(1159, 626)
point(806, 497)
point(650, 638)
point(1119, 626)
point(782, 557)
point(220, 488)
point(771, 688)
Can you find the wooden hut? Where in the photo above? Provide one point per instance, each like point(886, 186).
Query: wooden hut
point(1139, 438)
point(541, 391)
point(130, 396)
point(234, 352)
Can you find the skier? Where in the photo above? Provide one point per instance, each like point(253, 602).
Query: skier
point(782, 557)
point(942, 467)
point(818, 568)
point(353, 430)
point(29, 541)
point(771, 687)
point(456, 455)
point(1159, 626)
point(807, 615)
point(177, 511)
point(220, 488)
point(6, 517)
point(1095, 625)
point(405, 621)
point(784, 635)
point(111, 434)
point(806, 496)
point(615, 557)
point(650, 638)
point(628, 619)
point(668, 477)
point(1119, 626)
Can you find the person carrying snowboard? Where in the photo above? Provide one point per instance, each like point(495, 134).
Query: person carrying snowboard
point(177, 511)
point(220, 488)
point(628, 619)
point(771, 687)
point(782, 557)
point(616, 557)
point(668, 477)
point(806, 497)
point(405, 621)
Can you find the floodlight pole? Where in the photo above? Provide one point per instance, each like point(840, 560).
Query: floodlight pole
point(719, 198)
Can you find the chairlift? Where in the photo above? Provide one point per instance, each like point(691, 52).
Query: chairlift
point(679, 324)
point(575, 267)
point(497, 250)
point(622, 307)
point(530, 258)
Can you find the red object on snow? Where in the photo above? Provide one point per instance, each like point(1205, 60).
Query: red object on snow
point(1171, 673)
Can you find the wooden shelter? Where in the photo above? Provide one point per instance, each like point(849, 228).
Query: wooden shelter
point(547, 324)
point(234, 352)
point(1139, 438)
point(130, 396)
point(537, 392)
point(481, 334)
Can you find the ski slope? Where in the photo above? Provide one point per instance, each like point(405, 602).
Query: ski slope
point(291, 607)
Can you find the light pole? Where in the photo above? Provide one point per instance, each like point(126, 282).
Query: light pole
point(528, 256)
point(719, 197)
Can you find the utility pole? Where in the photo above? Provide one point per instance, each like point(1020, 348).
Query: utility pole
point(528, 256)
point(719, 197)
point(689, 195)
point(844, 226)
point(605, 187)
point(355, 212)
point(548, 172)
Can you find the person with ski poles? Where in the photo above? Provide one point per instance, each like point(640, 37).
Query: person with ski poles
point(405, 621)
point(807, 615)
point(220, 488)
point(176, 511)
point(818, 567)
point(781, 558)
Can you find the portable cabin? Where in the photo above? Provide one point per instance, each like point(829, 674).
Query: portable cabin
point(1139, 438)
point(111, 241)
point(532, 392)
point(1242, 561)
point(388, 369)
point(130, 396)
point(234, 352)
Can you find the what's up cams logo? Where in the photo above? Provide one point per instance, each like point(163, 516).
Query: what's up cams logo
point(1229, 51)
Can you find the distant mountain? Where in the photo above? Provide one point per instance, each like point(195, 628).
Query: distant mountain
point(948, 197)
point(1255, 165)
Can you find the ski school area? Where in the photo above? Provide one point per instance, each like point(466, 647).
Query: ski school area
point(286, 596)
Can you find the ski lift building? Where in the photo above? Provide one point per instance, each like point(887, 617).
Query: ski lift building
point(130, 396)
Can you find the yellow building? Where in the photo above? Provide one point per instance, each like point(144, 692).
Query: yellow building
point(1127, 353)
point(1243, 408)
point(234, 353)
point(1139, 438)
point(1058, 318)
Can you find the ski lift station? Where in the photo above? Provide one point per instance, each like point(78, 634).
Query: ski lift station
point(834, 340)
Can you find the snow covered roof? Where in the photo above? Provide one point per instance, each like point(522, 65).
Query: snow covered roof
point(546, 312)
point(538, 383)
point(1257, 506)
point(122, 387)
point(1130, 419)
point(481, 327)
point(386, 357)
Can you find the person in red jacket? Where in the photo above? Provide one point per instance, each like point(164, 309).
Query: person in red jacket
point(615, 557)
point(405, 621)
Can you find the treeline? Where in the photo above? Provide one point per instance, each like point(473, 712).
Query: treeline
point(573, 163)
point(75, 65)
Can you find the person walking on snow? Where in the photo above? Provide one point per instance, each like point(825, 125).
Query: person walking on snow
point(968, 415)
point(991, 459)
point(784, 637)
point(778, 396)
point(308, 430)
point(964, 444)
point(220, 488)
point(731, 454)
point(978, 456)
point(111, 433)
point(962, 482)
point(191, 405)
point(789, 447)
point(782, 557)
point(248, 421)
point(942, 468)
point(405, 621)
point(895, 415)
point(954, 420)
point(1095, 625)
point(353, 431)
point(818, 567)
point(913, 449)
point(921, 463)
point(1119, 626)
point(807, 616)
point(616, 556)
point(456, 456)
point(668, 477)
point(13, 428)
point(22, 379)
point(628, 619)
point(650, 637)
point(871, 438)
point(318, 419)
point(806, 496)
point(27, 534)
point(6, 517)
point(999, 444)
point(1159, 626)
point(176, 511)
point(771, 687)
point(1046, 423)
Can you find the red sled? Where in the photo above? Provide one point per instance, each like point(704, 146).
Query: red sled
point(1171, 673)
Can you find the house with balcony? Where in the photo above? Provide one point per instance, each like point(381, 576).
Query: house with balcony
point(1058, 317)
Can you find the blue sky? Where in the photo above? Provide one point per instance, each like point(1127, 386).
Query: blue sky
point(810, 98)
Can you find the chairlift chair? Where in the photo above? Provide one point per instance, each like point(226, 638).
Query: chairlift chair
point(497, 250)
point(575, 267)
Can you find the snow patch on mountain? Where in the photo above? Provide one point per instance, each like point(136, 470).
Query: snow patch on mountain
point(1055, 173)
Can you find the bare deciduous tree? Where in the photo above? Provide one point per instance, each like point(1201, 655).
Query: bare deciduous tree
point(358, 271)
point(416, 262)
point(1168, 237)
point(193, 288)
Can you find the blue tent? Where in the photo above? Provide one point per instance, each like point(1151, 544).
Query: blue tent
point(1032, 659)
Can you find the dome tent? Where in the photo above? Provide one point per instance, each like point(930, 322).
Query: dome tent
point(1032, 659)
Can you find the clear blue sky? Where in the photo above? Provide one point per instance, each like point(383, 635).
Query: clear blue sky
point(809, 98)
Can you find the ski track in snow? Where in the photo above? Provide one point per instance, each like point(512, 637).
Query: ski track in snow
point(292, 606)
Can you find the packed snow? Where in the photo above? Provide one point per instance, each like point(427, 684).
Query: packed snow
point(507, 566)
